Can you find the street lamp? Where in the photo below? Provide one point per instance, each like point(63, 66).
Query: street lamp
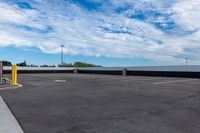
point(62, 46)
point(186, 61)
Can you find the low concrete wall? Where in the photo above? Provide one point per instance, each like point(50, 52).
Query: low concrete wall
point(38, 71)
point(110, 72)
point(165, 74)
point(144, 73)
point(171, 71)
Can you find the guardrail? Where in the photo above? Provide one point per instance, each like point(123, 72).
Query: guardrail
point(166, 71)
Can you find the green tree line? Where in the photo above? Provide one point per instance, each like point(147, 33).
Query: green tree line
point(6, 63)
point(76, 64)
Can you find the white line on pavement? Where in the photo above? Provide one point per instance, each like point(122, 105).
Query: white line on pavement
point(174, 81)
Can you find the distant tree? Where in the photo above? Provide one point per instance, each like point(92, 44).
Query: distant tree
point(47, 66)
point(23, 64)
point(32, 65)
point(44, 66)
point(81, 64)
point(78, 64)
point(6, 63)
point(65, 65)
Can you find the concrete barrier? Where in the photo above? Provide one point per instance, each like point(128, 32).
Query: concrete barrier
point(124, 71)
point(109, 72)
point(75, 70)
point(185, 74)
point(166, 71)
point(38, 70)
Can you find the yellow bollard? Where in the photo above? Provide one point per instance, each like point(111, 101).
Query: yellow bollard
point(14, 75)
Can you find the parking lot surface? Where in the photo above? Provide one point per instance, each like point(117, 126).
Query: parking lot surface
point(75, 103)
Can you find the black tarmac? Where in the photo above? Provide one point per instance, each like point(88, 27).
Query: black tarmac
point(105, 104)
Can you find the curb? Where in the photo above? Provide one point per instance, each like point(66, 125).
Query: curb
point(11, 87)
point(8, 122)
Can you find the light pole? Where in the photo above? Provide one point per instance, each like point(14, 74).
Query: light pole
point(62, 46)
point(186, 61)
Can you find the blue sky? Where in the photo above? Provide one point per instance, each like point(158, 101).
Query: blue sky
point(104, 32)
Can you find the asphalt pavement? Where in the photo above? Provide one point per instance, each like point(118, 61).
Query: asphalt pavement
point(75, 103)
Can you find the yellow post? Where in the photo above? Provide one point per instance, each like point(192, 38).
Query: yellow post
point(14, 75)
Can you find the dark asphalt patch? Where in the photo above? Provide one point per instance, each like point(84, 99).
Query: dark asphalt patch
point(105, 104)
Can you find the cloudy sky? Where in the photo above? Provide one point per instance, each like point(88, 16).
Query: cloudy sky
point(105, 32)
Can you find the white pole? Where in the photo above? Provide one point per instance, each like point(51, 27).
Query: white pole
point(62, 46)
point(1, 73)
point(186, 61)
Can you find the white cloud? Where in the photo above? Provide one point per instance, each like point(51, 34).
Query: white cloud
point(95, 33)
point(187, 14)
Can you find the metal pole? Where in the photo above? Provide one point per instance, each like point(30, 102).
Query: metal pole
point(1, 73)
point(62, 46)
point(186, 61)
point(14, 75)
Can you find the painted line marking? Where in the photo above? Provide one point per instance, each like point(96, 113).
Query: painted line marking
point(60, 81)
point(174, 81)
point(8, 123)
point(128, 79)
